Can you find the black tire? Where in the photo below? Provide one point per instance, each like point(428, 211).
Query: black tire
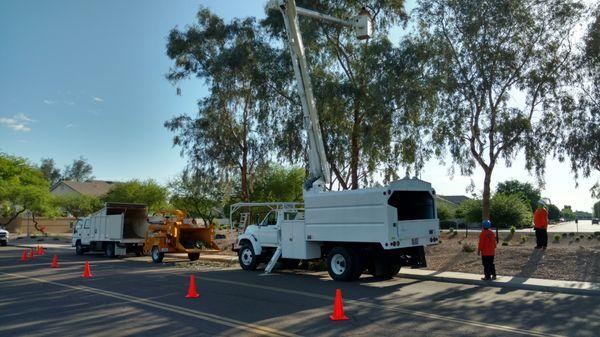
point(392, 270)
point(193, 256)
point(79, 248)
point(247, 258)
point(109, 250)
point(4, 243)
point(157, 255)
point(342, 264)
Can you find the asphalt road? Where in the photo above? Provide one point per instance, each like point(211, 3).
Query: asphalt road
point(132, 296)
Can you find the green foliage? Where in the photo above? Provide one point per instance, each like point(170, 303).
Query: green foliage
point(79, 205)
point(506, 211)
point(277, 183)
point(444, 212)
point(525, 191)
point(50, 171)
point(513, 229)
point(22, 187)
point(505, 243)
point(483, 55)
point(557, 237)
point(451, 230)
point(553, 212)
point(142, 192)
point(79, 170)
point(524, 238)
point(470, 210)
point(567, 213)
point(200, 194)
point(597, 209)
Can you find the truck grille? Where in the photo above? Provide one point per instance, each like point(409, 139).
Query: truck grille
point(2, 235)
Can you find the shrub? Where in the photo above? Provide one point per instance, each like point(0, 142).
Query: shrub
point(591, 237)
point(451, 230)
point(576, 239)
point(557, 237)
point(524, 238)
point(444, 212)
point(510, 210)
point(581, 236)
point(564, 235)
point(513, 229)
point(505, 243)
point(571, 234)
point(597, 234)
point(440, 241)
point(468, 247)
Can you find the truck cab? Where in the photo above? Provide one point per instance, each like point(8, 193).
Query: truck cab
point(3, 236)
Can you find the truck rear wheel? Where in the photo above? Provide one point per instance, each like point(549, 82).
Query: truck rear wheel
point(157, 255)
point(248, 260)
point(193, 256)
point(342, 264)
point(110, 250)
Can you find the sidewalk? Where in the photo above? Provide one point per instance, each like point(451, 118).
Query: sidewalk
point(557, 286)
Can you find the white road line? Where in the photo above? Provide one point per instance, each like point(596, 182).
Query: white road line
point(232, 323)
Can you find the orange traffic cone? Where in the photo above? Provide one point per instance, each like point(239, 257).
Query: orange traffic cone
point(192, 293)
point(31, 254)
point(86, 270)
point(40, 251)
point(338, 308)
point(54, 263)
point(24, 256)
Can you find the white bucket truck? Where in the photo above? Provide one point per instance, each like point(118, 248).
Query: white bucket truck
point(379, 229)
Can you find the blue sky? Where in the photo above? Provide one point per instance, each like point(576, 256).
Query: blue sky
point(87, 78)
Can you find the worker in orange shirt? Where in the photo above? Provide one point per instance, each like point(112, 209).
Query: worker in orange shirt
point(540, 225)
point(487, 250)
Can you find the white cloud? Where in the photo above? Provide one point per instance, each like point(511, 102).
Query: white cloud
point(17, 123)
point(69, 103)
point(70, 125)
point(97, 99)
point(49, 102)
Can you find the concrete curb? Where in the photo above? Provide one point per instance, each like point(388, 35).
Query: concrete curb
point(513, 283)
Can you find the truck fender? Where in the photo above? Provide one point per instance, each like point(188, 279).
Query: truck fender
point(253, 241)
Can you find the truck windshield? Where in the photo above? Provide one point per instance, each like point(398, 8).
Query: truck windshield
point(412, 205)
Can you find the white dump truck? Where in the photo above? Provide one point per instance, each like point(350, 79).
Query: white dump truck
point(4, 235)
point(116, 229)
point(375, 229)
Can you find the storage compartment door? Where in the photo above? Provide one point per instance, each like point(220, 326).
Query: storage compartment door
point(114, 227)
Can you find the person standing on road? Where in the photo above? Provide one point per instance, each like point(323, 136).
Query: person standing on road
point(540, 224)
point(487, 250)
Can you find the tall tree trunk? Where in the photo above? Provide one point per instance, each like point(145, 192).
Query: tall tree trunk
point(354, 150)
point(486, 194)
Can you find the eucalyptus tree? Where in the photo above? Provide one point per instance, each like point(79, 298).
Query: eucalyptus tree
point(582, 139)
point(502, 68)
point(368, 94)
point(234, 125)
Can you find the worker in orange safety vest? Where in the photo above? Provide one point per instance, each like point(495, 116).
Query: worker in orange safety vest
point(540, 225)
point(487, 250)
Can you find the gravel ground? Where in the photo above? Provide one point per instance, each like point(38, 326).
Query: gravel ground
point(566, 260)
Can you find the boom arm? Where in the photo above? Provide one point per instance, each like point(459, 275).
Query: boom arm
point(318, 166)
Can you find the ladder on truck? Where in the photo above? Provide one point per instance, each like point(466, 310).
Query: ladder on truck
point(273, 260)
point(244, 220)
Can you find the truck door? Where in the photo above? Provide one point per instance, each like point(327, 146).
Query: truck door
point(77, 231)
point(86, 232)
point(268, 230)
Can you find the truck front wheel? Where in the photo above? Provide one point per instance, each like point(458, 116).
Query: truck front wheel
point(78, 248)
point(157, 255)
point(193, 256)
point(248, 260)
point(342, 264)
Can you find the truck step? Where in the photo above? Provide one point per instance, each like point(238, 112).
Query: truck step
point(273, 261)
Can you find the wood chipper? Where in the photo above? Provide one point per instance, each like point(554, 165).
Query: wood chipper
point(170, 231)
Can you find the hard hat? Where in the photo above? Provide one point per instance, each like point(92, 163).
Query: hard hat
point(487, 224)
